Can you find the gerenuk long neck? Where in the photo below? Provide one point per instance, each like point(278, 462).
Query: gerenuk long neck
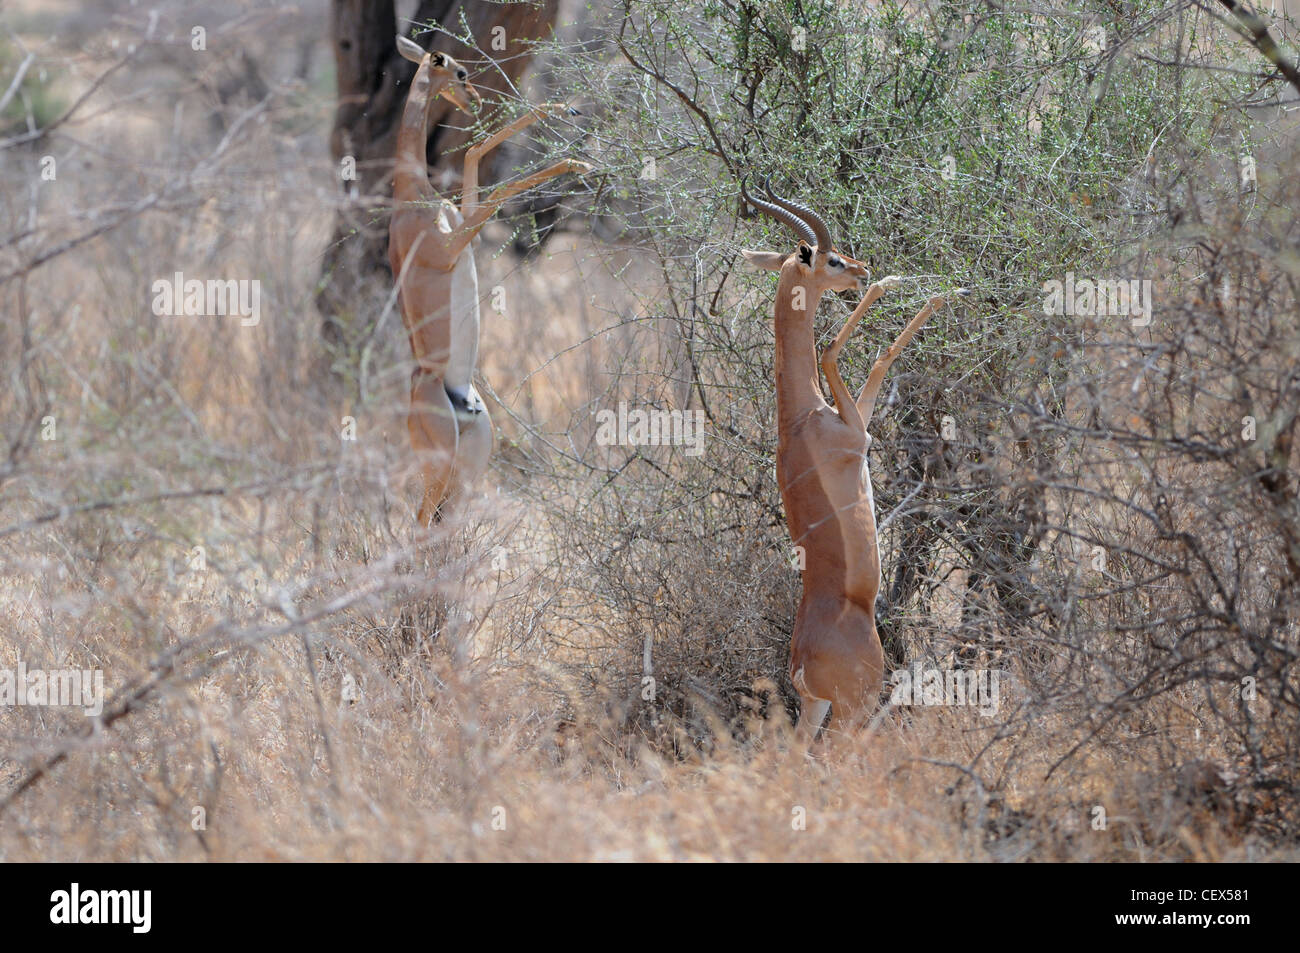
point(798, 386)
point(411, 173)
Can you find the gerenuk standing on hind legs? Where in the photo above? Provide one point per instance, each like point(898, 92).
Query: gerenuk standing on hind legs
point(429, 249)
point(836, 661)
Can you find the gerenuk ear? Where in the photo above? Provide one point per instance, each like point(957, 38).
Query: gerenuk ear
point(410, 50)
point(767, 260)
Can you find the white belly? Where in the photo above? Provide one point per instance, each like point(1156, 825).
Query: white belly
point(464, 323)
point(866, 482)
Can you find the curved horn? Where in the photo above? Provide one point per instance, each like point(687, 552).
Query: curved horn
point(783, 215)
point(815, 221)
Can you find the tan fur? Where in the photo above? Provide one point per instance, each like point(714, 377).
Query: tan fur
point(835, 651)
point(427, 240)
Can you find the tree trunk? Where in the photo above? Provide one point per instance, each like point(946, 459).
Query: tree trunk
point(372, 87)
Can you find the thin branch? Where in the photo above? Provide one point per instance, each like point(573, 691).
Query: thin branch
point(1255, 31)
